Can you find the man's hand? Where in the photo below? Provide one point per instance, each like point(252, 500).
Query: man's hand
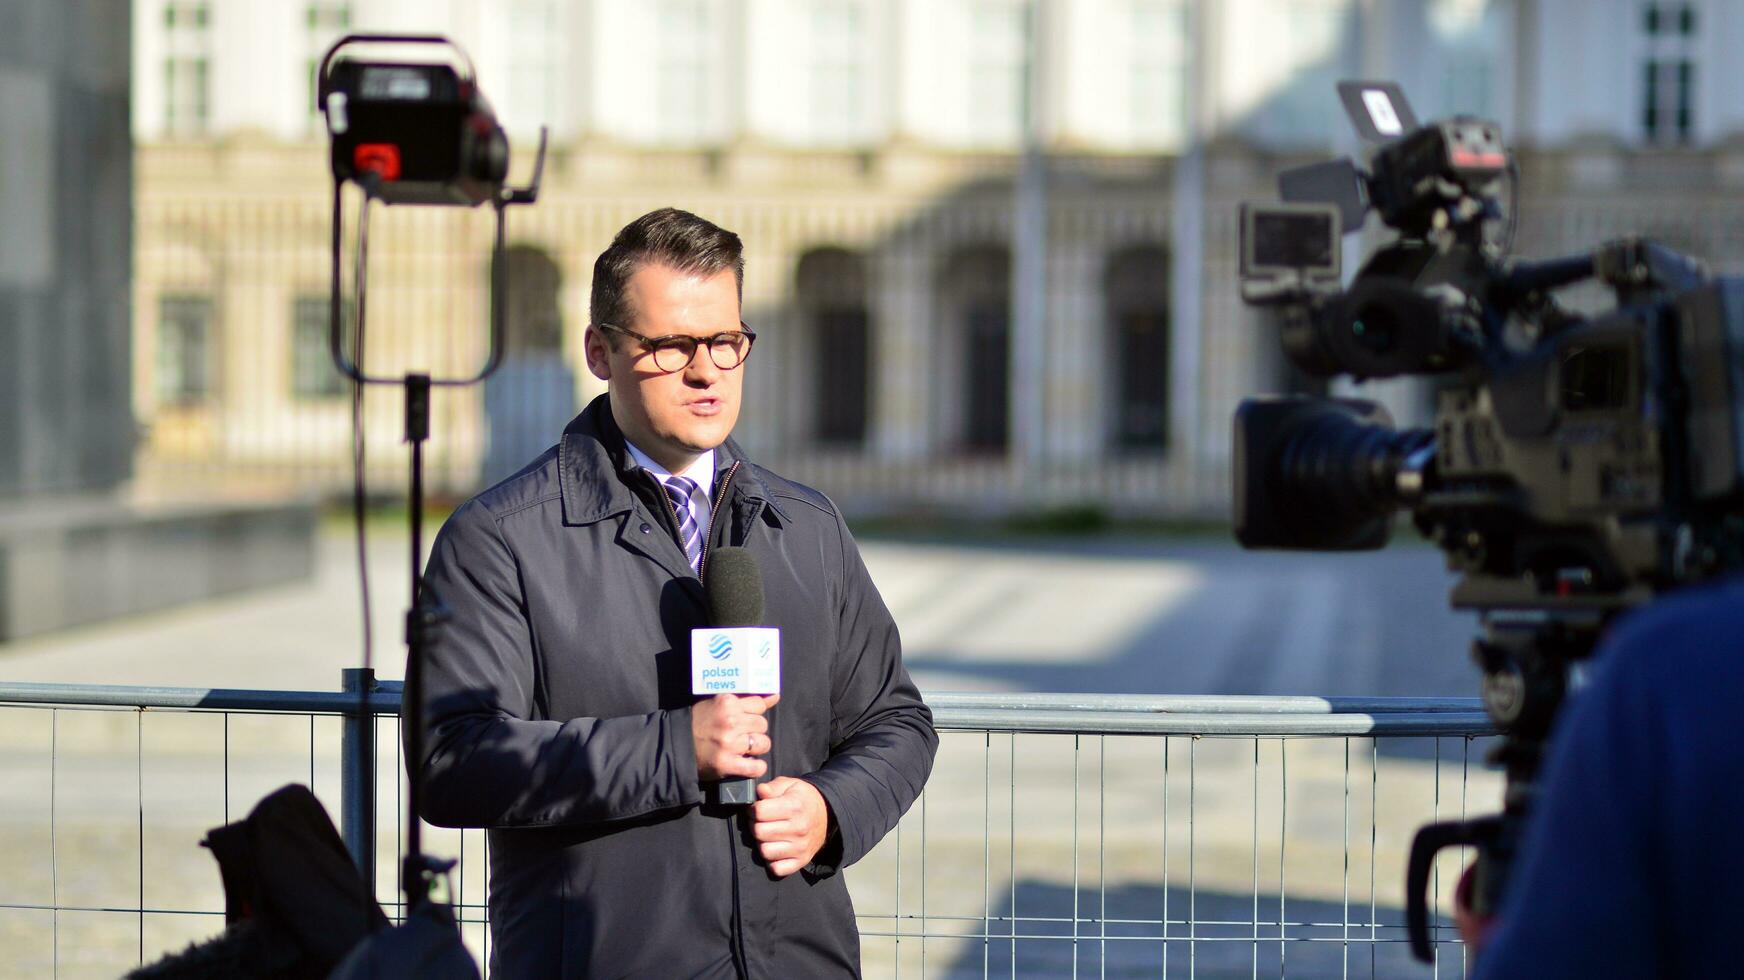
point(729, 731)
point(1474, 929)
point(790, 821)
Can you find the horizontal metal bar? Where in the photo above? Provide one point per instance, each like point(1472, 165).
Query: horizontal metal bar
point(217, 699)
point(1203, 704)
point(1086, 938)
point(1066, 921)
point(1126, 723)
point(129, 910)
point(1111, 714)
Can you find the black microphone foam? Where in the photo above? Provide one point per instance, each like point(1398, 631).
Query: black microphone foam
point(733, 589)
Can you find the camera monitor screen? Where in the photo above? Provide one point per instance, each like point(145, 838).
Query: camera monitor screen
point(1298, 238)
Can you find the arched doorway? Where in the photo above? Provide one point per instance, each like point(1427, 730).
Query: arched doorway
point(975, 288)
point(832, 290)
point(531, 396)
point(535, 313)
point(1135, 291)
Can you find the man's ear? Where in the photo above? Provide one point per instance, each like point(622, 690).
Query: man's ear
point(598, 353)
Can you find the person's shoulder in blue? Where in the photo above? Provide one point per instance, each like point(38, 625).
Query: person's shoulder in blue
point(1632, 864)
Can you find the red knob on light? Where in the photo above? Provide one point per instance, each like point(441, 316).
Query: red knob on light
point(381, 159)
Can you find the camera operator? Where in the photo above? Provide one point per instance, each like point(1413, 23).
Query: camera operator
point(1630, 866)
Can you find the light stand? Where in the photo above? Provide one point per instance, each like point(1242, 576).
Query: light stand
point(378, 177)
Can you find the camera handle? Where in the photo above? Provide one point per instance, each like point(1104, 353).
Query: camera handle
point(469, 75)
point(1484, 833)
point(1526, 664)
point(425, 620)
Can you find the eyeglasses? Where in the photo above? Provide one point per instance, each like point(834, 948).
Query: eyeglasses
point(674, 352)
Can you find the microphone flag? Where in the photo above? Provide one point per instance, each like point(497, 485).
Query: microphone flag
point(735, 660)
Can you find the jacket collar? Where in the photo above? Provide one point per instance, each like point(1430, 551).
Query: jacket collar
point(594, 465)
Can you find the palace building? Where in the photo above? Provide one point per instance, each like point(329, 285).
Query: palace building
point(991, 244)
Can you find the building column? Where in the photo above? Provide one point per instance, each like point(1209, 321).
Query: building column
point(903, 337)
point(1077, 378)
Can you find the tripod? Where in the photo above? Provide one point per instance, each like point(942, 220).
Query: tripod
point(1527, 662)
point(425, 618)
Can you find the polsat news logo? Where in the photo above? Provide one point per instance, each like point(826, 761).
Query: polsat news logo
point(721, 647)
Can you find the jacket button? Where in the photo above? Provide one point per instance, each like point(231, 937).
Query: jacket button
point(646, 529)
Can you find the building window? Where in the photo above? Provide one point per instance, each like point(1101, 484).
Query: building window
point(1158, 70)
point(535, 38)
point(187, 68)
point(975, 284)
point(1136, 294)
point(998, 66)
point(313, 375)
point(323, 24)
point(684, 70)
point(989, 353)
point(184, 356)
point(1668, 73)
point(831, 286)
point(838, 71)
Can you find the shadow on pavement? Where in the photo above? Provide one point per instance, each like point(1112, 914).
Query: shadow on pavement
point(1220, 943)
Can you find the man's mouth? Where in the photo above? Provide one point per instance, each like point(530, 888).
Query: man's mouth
point(704, 406)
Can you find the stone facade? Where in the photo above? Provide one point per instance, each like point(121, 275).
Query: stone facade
point(902, 224)
point(883, 261)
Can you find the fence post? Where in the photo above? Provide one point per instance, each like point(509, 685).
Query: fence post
point(357, 777)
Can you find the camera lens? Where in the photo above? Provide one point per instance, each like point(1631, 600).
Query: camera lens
point(1375, 328)
point(1341, 469)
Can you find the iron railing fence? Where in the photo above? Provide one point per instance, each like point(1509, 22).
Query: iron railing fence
point(1060, 835)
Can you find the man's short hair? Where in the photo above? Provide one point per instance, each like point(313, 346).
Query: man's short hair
point(670, 237)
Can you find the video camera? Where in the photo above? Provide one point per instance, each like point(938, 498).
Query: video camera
point(1576, 467)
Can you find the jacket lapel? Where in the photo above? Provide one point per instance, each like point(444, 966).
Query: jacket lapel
point(655, 544)
point(593, 479)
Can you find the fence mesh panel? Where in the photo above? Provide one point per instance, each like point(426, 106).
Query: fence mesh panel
point(1048, 843)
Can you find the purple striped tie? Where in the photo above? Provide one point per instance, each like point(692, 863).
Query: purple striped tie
point(680, 490)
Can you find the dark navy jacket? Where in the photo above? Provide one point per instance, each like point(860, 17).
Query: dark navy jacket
point(558, 715)
point(1633, 861)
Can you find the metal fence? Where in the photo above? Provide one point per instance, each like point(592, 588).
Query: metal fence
point(1060, 835)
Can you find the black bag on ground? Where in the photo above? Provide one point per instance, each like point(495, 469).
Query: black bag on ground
point(294, 904)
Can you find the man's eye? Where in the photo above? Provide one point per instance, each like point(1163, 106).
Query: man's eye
point(682, 346)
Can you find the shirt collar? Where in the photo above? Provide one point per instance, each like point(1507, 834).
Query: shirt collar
point(701, 471)
point(593, 451)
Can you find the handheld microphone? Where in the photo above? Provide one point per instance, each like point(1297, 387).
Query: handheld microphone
point(734, 654)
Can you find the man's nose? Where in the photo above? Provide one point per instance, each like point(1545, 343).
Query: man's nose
point(702, 372)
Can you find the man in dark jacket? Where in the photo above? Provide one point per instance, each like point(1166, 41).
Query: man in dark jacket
point(559, 707)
